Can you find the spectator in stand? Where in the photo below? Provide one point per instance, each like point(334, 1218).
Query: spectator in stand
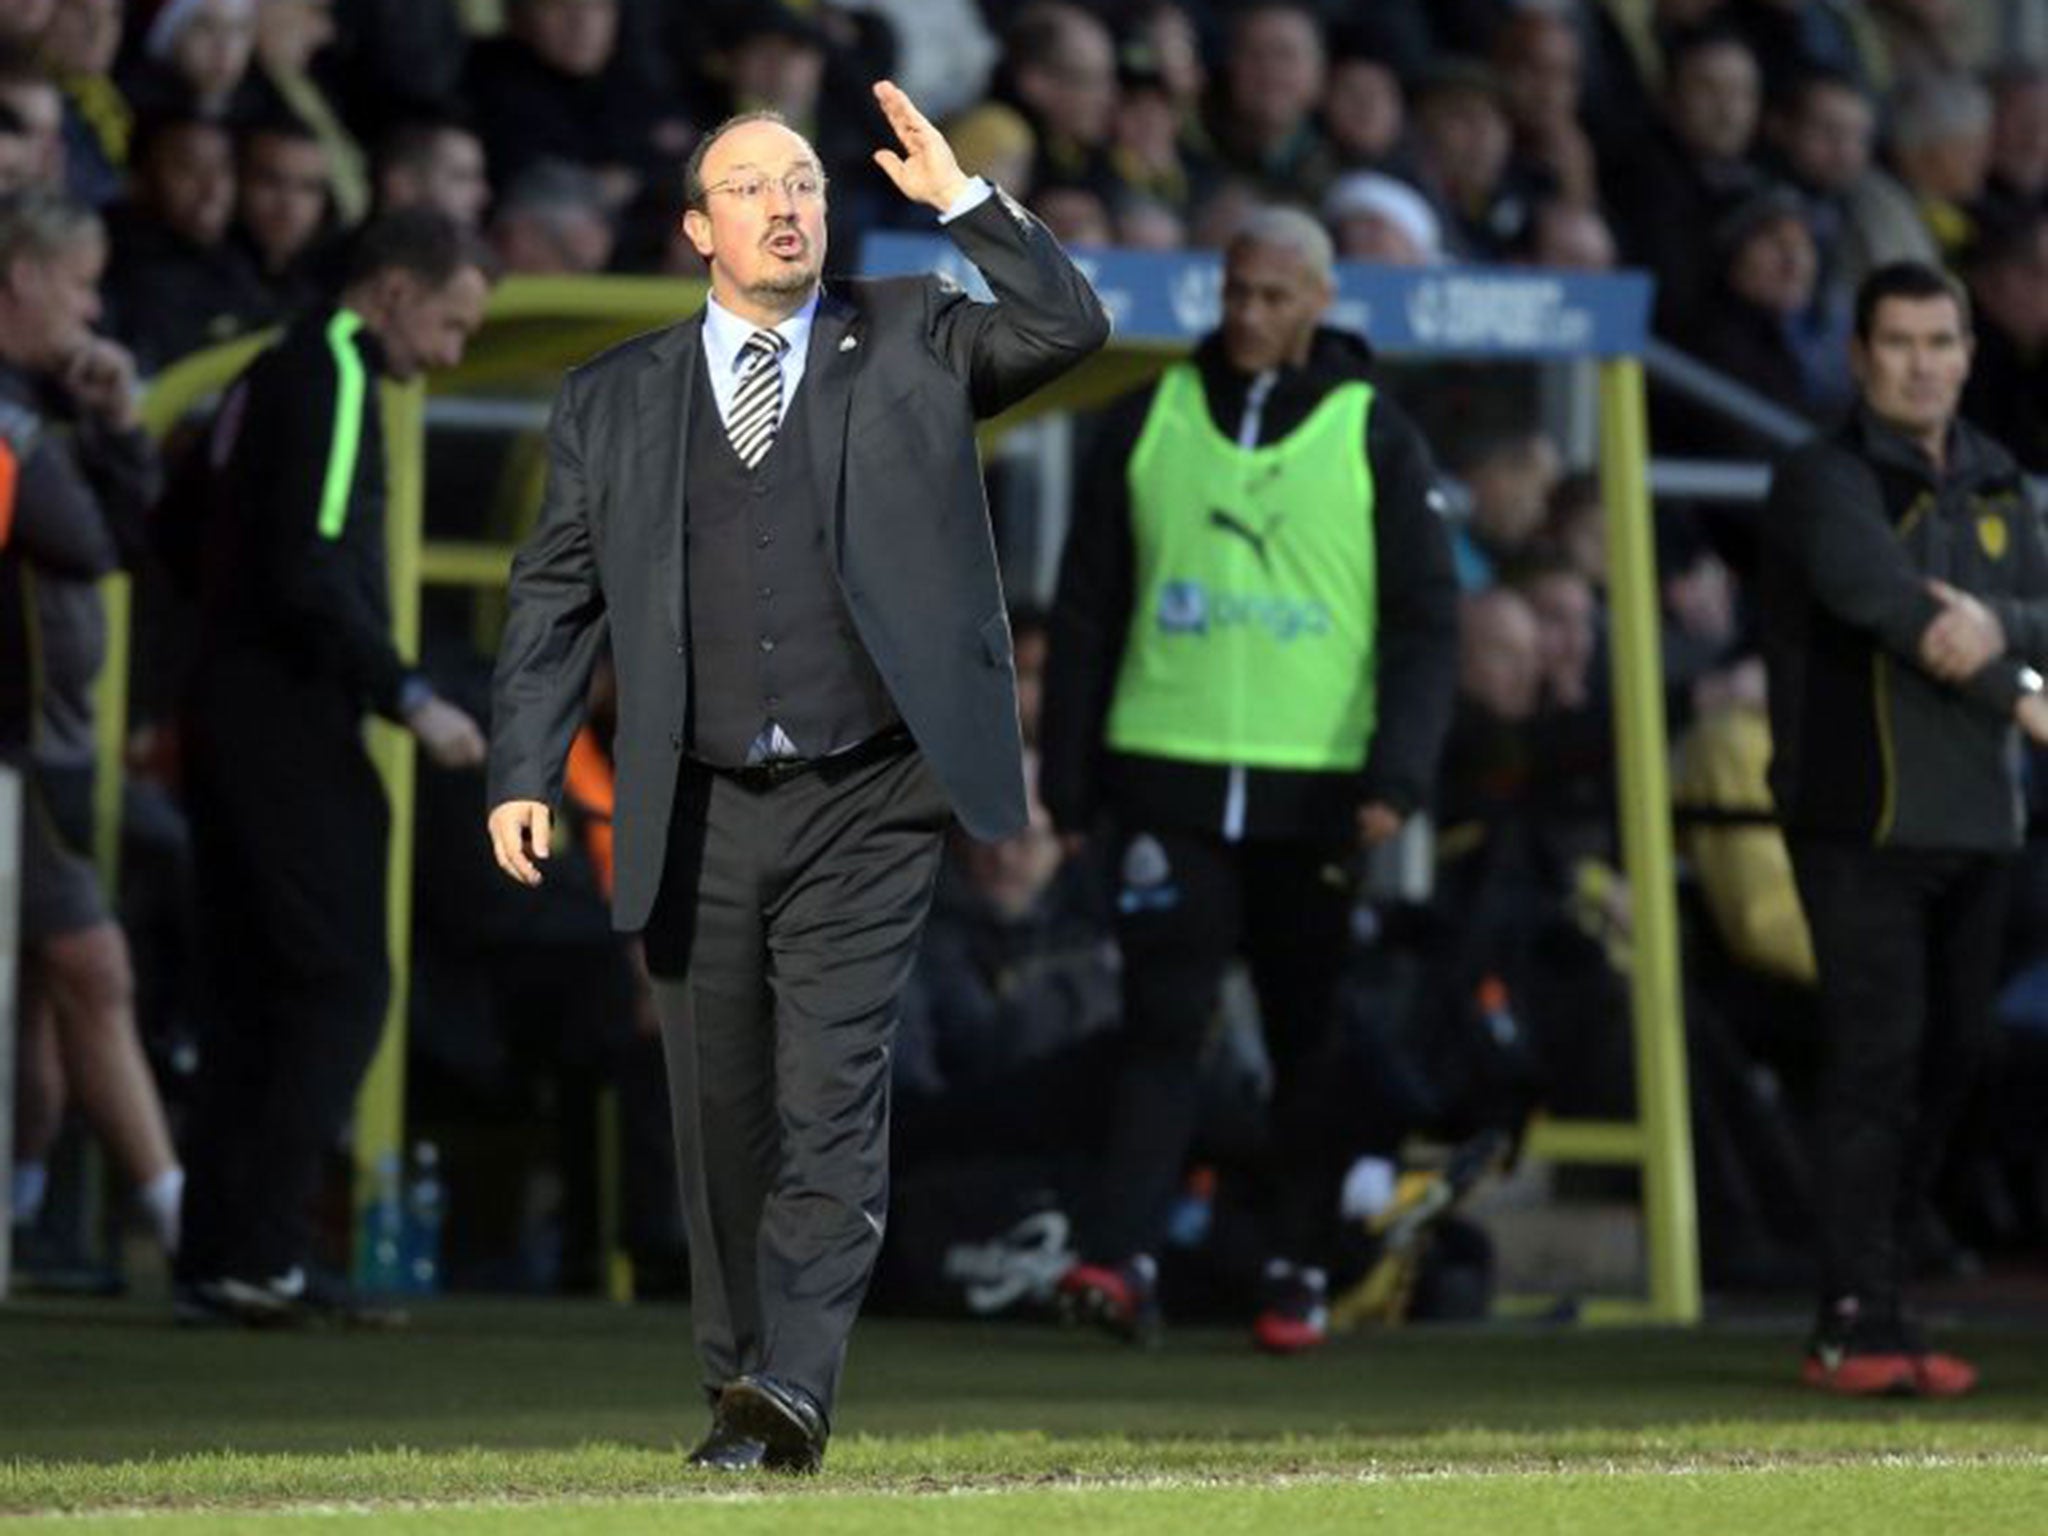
point(2007, 395)
point(995, 142)
point(197, 57)
point(1376, 218)
point(1673, 187)
point(1464, 145)
point(79, 471)
point(1147, 153)
point(2019, 141)
point(437, 163)
point(20, 156)
point(290, 36)
point(177, 283)
point(1143, 223)
point(1568, 236)
point(23, 21)
point(1059, 70)
point(34, 98)
point(1765, 324)
point(1510, 477)
point(79, 47)
point(1264, 127)
point(1795, 38)
point(1075, 212)
point(1567, 622)
point(1365, 113)
point(1818, 139)
point(285, 206)
point(552, 221)
point(1163, 34)
point(555, 85)
point(1941, 144)
point(1539, 60)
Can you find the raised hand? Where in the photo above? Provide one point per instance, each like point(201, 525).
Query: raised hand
point(926, 171)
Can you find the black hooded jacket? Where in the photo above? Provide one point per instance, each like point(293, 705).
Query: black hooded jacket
point(1416, 643)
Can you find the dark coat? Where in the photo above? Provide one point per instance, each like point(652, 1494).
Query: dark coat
point(898, 372)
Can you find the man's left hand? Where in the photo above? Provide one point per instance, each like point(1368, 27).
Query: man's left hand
point(1964, 637)
point(926, 171)
point(1378, 822)
point(101, 379)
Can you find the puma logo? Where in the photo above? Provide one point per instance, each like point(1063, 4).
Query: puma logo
point(1257, 538)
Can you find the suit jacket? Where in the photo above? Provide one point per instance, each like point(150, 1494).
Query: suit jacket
point(898, 371)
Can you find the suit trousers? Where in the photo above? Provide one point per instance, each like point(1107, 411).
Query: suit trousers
point(1907, 944)
point(788, 921)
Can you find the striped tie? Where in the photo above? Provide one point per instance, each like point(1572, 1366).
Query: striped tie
point(757, 404)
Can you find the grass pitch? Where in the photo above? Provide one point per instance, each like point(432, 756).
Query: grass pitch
point(549, 1417)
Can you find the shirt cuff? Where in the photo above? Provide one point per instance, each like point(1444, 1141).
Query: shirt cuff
point(412, 693)
point(972, 196)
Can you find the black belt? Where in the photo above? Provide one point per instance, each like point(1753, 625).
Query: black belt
point(779, 770)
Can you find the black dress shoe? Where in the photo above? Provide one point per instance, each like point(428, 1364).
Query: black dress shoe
point(784, 1418)
point(724, 1450)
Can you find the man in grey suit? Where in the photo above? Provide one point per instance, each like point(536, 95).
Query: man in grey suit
point(775, 508)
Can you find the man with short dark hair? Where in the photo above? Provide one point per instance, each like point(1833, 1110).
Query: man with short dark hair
point(285, 203)
point(433, 162)
point(776, 509)
point(288, 815)
point(1905, 609)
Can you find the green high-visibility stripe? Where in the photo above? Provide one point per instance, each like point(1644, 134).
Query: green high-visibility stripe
point(350, 383)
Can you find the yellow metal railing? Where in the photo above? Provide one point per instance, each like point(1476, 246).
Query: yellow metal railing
point(547, 324)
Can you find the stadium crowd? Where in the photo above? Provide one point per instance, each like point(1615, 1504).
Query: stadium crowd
point(205, 167)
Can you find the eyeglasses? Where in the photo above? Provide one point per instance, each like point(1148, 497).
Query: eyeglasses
point(752, 186)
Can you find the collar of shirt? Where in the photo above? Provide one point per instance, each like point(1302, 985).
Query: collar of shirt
point(725, 333)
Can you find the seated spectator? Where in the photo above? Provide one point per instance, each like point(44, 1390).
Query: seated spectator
point(1818, 139)
point(1373, 217)
point(290, 35)
point(1575, 522)
point(2007, 269)
point(1941, 144)
point(1463, 146)
point(1766, 323)
point(433, 162)
point(79, 47)
point(555, 85)
point(1794, 38)
point(177, 283)
point(2018, 182)
point(1147, 154)
point(1539, 61)
point(552, 221)
point(285, 206)
point(1567, 622)
point(1509, 476)
point(1143, 223)
point(20, 155)
point(197, 58)
point(34, 99)
point(1075, 212)
point(1264, 126)
point(22, 22)
point(1365, 113)
point(1671, 188)
point(995, 142)
point(1059, 70)
point(1568, 237)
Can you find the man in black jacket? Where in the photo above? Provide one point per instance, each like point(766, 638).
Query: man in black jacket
point(289, 821)
point(1905, 606)
point(776, 508)
point(1253, 658)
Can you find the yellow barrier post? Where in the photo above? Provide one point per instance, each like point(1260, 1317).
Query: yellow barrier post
point(380, 1107)
point(1662, 1108)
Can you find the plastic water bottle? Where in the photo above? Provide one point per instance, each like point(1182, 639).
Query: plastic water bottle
point(425, 1205)
point(1187, 1224)
point(380, 1249)
point(1495, 1014)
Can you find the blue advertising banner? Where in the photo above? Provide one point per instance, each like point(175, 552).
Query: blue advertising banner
point(1173, 297)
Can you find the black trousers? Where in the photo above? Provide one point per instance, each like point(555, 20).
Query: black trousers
point(788, 921)
point(1187, 904)
point(1907, 942)
point(289, 828)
